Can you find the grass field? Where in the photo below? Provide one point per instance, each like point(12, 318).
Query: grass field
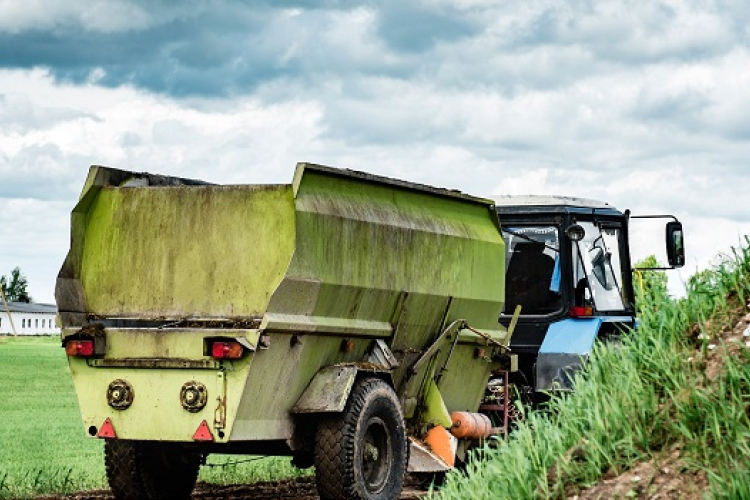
point(43, 447)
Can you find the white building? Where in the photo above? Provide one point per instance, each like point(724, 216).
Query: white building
point(29, 319)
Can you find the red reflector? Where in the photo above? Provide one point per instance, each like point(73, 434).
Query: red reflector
point(106, 430)
point(80, 348)
point(203, 433)
point(581, 311)
point(226, 350)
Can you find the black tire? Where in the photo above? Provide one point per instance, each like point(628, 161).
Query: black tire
point(122, 472)
point(361, 454)
point(143, 470)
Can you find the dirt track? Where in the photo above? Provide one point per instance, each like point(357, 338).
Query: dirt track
point(293, 489)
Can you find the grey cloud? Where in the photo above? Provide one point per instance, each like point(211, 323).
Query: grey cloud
point(416, 27)
point(40, 171)
point(18, 114)
point(236, 46)
point(631, 32)
point(684, 110)
point(182, 56)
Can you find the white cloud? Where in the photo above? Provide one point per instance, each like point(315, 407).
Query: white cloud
point(130, 129)
point(103, 16)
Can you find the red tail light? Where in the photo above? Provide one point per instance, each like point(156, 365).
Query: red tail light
point(226, 350)
point(581, 311)
point(79, 348)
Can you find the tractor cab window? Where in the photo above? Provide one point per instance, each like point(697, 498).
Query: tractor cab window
point(597, 268)
point(532, 277)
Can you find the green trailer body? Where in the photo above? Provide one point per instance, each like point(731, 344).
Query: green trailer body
point(336, 277)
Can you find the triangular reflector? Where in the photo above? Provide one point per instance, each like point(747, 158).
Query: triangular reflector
point(203, 433)
point(107, 431)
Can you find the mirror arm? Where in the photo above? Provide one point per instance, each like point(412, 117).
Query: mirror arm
point(655, 217)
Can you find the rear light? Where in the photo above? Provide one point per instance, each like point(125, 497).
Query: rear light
point(79, 348)
point(581, 311)
point(226, 350)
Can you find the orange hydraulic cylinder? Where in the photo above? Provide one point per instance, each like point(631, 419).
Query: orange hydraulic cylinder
point(468, 425)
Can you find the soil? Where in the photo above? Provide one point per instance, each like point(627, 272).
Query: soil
point(302, 488)
point(667, 476)
point(660, 479)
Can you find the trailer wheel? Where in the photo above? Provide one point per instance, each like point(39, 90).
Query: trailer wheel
point(122, 472)
point(144, 470)
point(361, 453)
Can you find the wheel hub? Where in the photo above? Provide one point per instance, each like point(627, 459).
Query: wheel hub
point(120, 394)
point(371, 453)
point(193, 396)
point(376, 456)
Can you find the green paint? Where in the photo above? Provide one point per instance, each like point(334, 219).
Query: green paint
point(203, 251)
point(435, 412)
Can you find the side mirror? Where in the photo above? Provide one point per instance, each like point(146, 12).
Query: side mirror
point(675, 244)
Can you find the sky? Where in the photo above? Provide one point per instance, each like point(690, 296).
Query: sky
point(644, 105)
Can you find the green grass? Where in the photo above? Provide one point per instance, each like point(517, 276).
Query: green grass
point(43, 446)
point(633, 403)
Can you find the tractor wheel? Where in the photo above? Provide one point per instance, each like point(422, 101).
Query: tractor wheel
point(361, 454)
point(145, 470)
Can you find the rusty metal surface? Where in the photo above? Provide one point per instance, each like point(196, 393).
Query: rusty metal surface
point(328, 390)
point(154, 363)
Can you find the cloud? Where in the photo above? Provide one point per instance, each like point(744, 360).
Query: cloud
point(419, 26)
point(34, 236)
point(644, 105)
point(49, 149)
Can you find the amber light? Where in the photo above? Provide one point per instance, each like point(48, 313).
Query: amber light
point(581, 311)
point(79, 348)
point(226, 350)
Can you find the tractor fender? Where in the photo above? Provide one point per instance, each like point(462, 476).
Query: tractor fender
point(565, 349)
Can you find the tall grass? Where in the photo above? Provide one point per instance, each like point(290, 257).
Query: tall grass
point(634, 402)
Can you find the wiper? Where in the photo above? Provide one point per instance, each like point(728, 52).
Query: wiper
point(524, 237)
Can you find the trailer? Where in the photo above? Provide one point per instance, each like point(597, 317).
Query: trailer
point(346, 320)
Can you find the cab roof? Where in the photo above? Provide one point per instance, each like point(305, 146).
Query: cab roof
point(519, 204)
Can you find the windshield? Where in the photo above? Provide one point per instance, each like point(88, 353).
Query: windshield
point(597, 268)
point(532, 277)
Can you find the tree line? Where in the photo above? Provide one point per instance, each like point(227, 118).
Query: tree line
point(14, 287)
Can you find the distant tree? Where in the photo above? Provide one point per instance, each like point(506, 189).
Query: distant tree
point(650, 286)
point(15, 287)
